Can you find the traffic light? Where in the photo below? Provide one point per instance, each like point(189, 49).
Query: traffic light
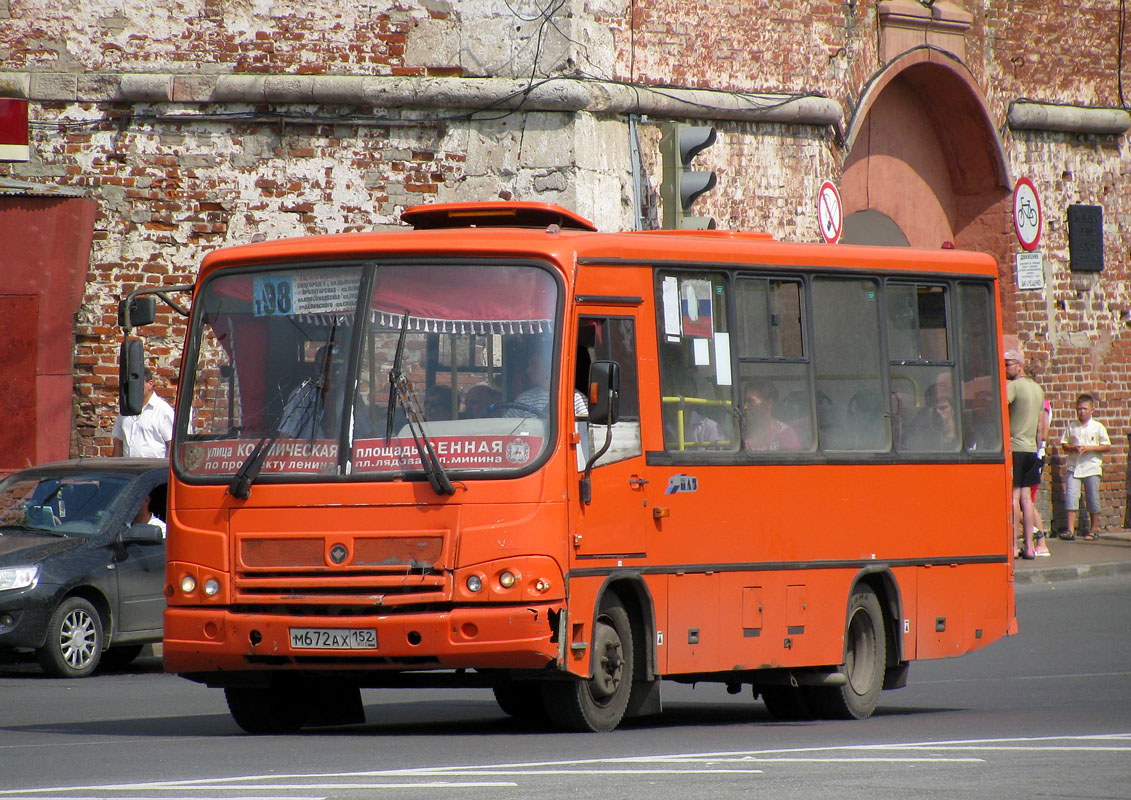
point(682, 185)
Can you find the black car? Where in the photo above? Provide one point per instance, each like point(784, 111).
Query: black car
point(81, 579)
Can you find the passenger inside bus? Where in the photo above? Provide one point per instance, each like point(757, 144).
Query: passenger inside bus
point(478, 400)
point(935, 428)
point(536, 397)
point(761, 430)
point(439, 402)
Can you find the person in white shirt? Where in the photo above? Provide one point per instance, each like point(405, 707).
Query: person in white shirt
point(148, 434)
point(145, 516)
point(1085, 443)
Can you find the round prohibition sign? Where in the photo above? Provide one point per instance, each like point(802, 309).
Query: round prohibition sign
point(829, 214)
point(1027, 214)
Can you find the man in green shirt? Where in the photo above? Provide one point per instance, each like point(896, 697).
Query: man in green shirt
point(1026, 400)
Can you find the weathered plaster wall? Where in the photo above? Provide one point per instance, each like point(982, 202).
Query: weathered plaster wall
point(169, 189)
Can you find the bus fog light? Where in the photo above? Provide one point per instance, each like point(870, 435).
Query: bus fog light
point(541, 585)
point(506, 579)
point(211, 587)
point(474, 583)
point(188, 584)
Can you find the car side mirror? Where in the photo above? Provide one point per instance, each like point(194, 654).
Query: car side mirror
point(604, 393)
point(131, 377)
point(143, 533)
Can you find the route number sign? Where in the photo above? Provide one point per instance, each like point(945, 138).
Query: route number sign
point(1027, 214)
point(829, 213)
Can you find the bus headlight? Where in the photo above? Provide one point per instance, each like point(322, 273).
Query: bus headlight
point(211, 587)
point(506, 579)
point(188, 584)
point(474, 584)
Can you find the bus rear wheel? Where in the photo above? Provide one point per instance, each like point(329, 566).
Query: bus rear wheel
point(276, 708)
point(597, 704)
point(865, 657)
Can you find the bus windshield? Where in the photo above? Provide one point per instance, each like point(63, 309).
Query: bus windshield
point(277, 359)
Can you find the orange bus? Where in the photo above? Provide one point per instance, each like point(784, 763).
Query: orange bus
point(503, 449)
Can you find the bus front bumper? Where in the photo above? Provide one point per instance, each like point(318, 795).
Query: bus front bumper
point(513, 637)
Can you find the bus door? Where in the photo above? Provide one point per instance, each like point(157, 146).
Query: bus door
point(615, 522)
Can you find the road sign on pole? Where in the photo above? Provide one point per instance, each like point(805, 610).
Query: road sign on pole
point(830, 216)
point(1027, 214)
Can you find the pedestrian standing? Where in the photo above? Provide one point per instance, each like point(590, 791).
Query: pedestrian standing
point(148, 434)
point(1040, 540)
point(1026, 400)
point(1085, 442)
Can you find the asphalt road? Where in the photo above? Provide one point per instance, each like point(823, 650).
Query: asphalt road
point(1044, 714)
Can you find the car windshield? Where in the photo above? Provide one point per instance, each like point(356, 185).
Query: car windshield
point(62, 504)
point(277, 359)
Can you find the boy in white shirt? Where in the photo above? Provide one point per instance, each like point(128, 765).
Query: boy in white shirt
point(1084, 442)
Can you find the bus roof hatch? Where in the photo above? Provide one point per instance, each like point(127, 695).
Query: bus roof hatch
point(494, 214)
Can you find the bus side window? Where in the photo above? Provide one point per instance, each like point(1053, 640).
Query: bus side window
point(611, 339)
point(773, 355)
point(981, 409)
point(847, 357)
point(922, 366)
point(697, 405)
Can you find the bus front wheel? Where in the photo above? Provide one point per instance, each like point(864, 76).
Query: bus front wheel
point(271, 709)
point(597, 704)
point(865, 657)
point(523, 701)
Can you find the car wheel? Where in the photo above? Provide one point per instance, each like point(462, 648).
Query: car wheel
point(73, 646)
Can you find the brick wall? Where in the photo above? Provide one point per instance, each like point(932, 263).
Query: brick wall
point(168, 190)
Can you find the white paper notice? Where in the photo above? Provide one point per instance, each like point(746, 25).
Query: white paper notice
point(671, 307)
point(722, 358)
point(1030, 270)
point(701, 352)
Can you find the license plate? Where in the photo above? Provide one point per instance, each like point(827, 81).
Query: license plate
point(333, 639)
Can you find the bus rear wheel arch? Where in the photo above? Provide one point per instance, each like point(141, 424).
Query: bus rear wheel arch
point(598, 703)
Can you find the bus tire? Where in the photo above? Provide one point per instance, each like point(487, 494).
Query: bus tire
point(597, 704)
point(273, 709)
point(786, 703)
point(73, 647)
point(523, 701)
point(865, 658)
point(121, 656)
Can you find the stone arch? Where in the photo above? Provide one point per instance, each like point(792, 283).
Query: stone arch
point(923, 152)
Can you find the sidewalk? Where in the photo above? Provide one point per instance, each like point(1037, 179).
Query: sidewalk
point(1109, 555)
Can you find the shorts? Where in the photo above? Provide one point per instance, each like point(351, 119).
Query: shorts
point(1072, 493)
point(1026, 470)
point(1037, 486)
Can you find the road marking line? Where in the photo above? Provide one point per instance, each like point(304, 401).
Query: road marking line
point(1099, 743)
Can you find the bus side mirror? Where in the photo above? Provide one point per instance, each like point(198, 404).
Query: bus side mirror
point(131, 377)
point(137, 311)
point(604, 393)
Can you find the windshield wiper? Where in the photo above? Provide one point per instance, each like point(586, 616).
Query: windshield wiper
point(240, 485)
point(400, 390)
point(391, 408)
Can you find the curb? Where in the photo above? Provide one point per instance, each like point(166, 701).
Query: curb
point(1074, 573)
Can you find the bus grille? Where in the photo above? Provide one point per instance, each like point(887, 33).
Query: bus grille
point(333, 569)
